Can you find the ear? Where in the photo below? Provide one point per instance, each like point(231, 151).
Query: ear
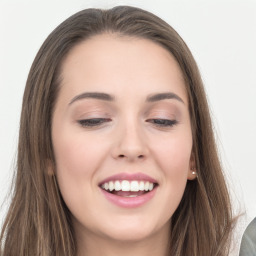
point(192, 173)
point(50, 168)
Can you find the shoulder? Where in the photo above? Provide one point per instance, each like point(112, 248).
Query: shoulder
point(248, 245)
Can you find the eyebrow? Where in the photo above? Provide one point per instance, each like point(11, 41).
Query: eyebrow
point(164, 96)
point(92, 95)
point(108, 97)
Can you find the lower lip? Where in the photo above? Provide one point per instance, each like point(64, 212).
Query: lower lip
point(129, 202)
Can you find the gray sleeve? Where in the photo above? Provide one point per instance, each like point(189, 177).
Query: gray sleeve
point(248, 245)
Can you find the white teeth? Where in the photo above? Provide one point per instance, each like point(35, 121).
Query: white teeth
point(141, 186)
point(117, 185)
point(134, 185)
point(111, 185)
point(146, 186)
point(126, 185)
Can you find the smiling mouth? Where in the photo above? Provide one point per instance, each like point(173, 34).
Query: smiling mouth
point(127, 188)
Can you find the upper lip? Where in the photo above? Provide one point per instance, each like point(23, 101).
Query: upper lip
point(129, 176)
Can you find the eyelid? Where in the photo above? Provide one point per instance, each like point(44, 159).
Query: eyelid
point(93, 122)
point(168, 109)
point(162, 116)
point(93, 114)
point(162, 122)
point(91, 109)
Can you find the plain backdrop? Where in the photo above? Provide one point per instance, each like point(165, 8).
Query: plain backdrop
point(222, 38)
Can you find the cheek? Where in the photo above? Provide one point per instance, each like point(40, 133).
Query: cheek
point(77, 159)
point(173, 155)
point(75, 153)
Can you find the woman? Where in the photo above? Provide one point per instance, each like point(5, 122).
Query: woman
point(116, 149)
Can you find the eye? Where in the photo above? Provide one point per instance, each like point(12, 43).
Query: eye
point(163, 122)
point(93, 122)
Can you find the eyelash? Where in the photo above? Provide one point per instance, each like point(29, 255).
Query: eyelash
point(94, 122)
point(163, 122)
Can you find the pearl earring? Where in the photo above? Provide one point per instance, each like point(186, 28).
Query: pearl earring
point(193, 171)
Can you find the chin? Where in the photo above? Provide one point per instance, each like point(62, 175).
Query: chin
point(132, 230)
point(131, 235)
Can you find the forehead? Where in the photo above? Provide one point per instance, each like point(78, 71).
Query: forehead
point(113, 62)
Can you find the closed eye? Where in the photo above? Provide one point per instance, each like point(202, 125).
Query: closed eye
point(163, 122)
point(93, 122)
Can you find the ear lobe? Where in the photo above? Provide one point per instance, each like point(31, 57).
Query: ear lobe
point(192, 174)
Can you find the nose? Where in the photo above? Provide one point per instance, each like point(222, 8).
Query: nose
point(130, 144)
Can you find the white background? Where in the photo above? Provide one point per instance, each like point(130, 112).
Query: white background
point(220, 34)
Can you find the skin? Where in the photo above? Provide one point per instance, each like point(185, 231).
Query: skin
point(129, 69)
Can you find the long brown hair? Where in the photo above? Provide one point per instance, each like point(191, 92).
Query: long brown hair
point(38, 221)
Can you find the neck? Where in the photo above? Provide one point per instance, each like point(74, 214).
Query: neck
point(93, 245)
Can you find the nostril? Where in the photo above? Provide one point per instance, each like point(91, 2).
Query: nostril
point(123, 156)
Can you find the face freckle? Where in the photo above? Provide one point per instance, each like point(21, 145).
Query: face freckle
point(110, 130)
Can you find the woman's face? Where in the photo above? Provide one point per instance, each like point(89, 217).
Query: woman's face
point(122, 137)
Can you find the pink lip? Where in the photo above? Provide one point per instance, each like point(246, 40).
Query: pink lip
point(129, 176)
point(129, 202)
